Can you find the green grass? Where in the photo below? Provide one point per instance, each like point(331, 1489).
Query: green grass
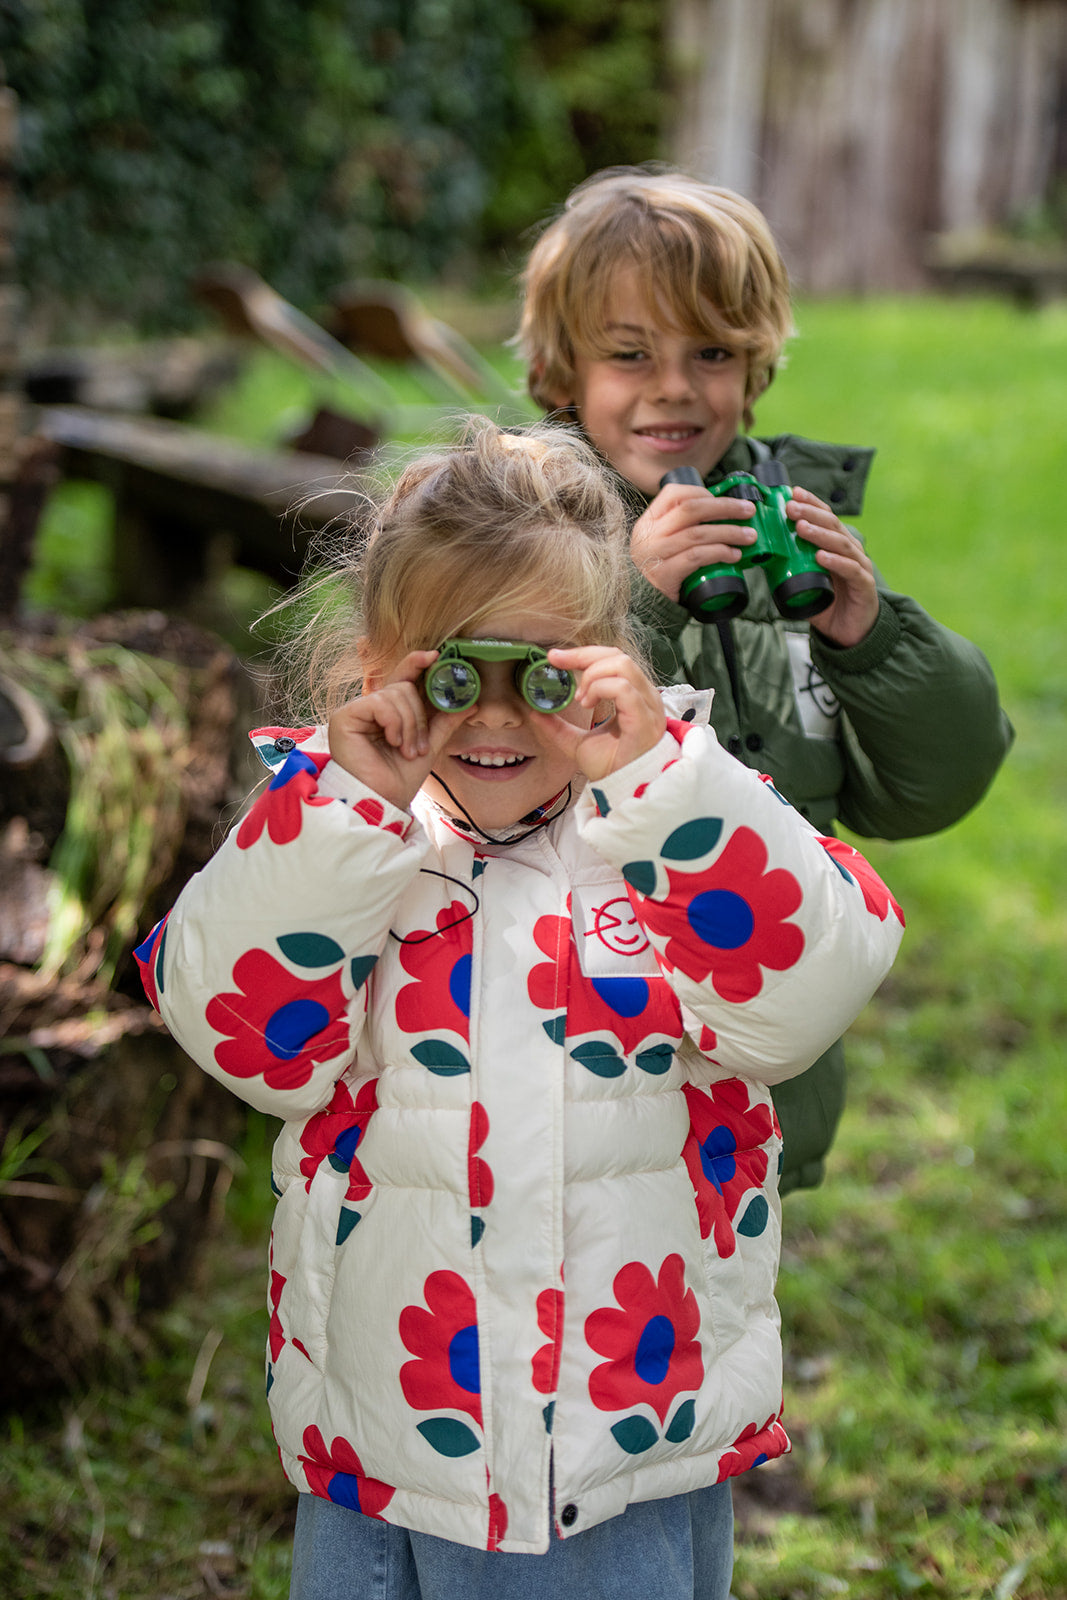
point(924, 1313)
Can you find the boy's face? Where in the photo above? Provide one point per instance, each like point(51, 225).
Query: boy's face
point(662, 399)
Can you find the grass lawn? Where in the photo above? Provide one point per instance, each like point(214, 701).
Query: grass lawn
point(922, 1288)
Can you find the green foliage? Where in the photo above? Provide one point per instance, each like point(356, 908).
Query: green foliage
point(315, 141)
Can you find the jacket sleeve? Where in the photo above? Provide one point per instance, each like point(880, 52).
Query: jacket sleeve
point(925, 732)
point(772, 937)
point(260, 970)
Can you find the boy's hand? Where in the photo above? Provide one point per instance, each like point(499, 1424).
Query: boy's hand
point(387, 738)
point(637, 724)
point(854, 609)
point(675, 536)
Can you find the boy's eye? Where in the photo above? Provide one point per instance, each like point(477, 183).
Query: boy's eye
point(628, 355)
point(715, 352)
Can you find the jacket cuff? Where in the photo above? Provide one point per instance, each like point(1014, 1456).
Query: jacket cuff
point(337, 783)
point(653, 608)
point(632, 779)
point(865, 656)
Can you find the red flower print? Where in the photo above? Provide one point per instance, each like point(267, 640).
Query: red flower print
point(440, 962)
point(723, 1155)
point(278, 807)
point(333, 1134)
point(546, 1359)
point(337, 1474)
point(277, 1025)
point(630, 1009)
point(498, 1521)
point(373, 811)
point(479, 1173)
point(754, 1446)
point(276, 1335)
point(651, 1342)
point(444, 1341)
point(729, 920)
point(849, 862)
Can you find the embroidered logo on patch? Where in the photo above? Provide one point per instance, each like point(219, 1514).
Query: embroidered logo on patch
point(611, 941)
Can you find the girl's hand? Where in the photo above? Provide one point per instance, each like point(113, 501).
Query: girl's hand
point(638, 722)
point(854, 609)
point(387, 737)
point(672, 538)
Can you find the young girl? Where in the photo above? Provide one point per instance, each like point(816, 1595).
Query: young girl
point(514, 948)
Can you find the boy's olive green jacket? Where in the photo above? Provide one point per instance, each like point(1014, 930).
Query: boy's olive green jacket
point(899, 736)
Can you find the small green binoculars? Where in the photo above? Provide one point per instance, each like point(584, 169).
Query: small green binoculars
point(799, 586)
point(452, 683)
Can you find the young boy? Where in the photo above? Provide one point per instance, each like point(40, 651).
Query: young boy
point(655, 312)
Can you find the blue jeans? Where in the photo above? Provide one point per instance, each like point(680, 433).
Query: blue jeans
point(675, 1549)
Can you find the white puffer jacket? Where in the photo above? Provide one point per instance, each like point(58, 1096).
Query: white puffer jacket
point(528, 1170)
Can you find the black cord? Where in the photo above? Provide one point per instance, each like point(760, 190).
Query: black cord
point(538, 822)
point(467, 916)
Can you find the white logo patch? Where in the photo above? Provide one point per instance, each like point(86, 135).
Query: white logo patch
point(611, 942)
point(817, 704)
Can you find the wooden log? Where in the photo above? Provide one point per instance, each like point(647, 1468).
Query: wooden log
point(185, 500)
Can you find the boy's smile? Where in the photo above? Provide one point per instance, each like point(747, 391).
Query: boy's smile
point(662, 399)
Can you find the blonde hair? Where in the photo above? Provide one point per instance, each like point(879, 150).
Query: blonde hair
point(503, 521)
point(704, 257)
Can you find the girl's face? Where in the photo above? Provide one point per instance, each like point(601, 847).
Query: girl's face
point(500, 763)
point(662, 399)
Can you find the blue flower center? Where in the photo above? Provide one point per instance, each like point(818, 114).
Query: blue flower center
point(627, 997)
point(654, 1350)
point(459, 985)
point(463, 1359)
point(345, 1147)
point(721, 918)
point(292, 1025)
point(717, 1156)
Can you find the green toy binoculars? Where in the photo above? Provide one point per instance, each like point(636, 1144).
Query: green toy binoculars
point(452, 683)
point(799, 586)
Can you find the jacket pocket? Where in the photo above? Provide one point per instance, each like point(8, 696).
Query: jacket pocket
point(309, 1224)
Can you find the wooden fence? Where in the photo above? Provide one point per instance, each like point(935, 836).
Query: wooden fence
point(867, 129)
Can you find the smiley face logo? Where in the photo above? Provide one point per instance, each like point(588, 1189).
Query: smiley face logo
point(617, 928)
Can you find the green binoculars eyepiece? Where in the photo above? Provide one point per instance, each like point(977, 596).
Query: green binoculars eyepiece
point(453, 682)
point(799, 586)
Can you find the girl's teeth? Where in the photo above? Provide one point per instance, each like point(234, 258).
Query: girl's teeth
point(493, 761)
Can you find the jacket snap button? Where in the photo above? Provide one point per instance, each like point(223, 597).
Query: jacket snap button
point(284, 745)
point(569, 1515)
point(837, 496)
point(753, 742)
point(733, 744)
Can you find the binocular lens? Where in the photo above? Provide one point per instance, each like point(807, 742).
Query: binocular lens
point(452, 685)
point(548, 688)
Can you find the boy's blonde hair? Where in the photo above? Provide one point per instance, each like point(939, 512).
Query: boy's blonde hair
point(705, 260)
point(503, 521)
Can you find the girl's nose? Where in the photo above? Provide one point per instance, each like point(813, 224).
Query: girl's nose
point(499, 702)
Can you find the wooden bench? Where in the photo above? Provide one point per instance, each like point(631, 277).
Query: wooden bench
point(187, 502)
point(1030, 276)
